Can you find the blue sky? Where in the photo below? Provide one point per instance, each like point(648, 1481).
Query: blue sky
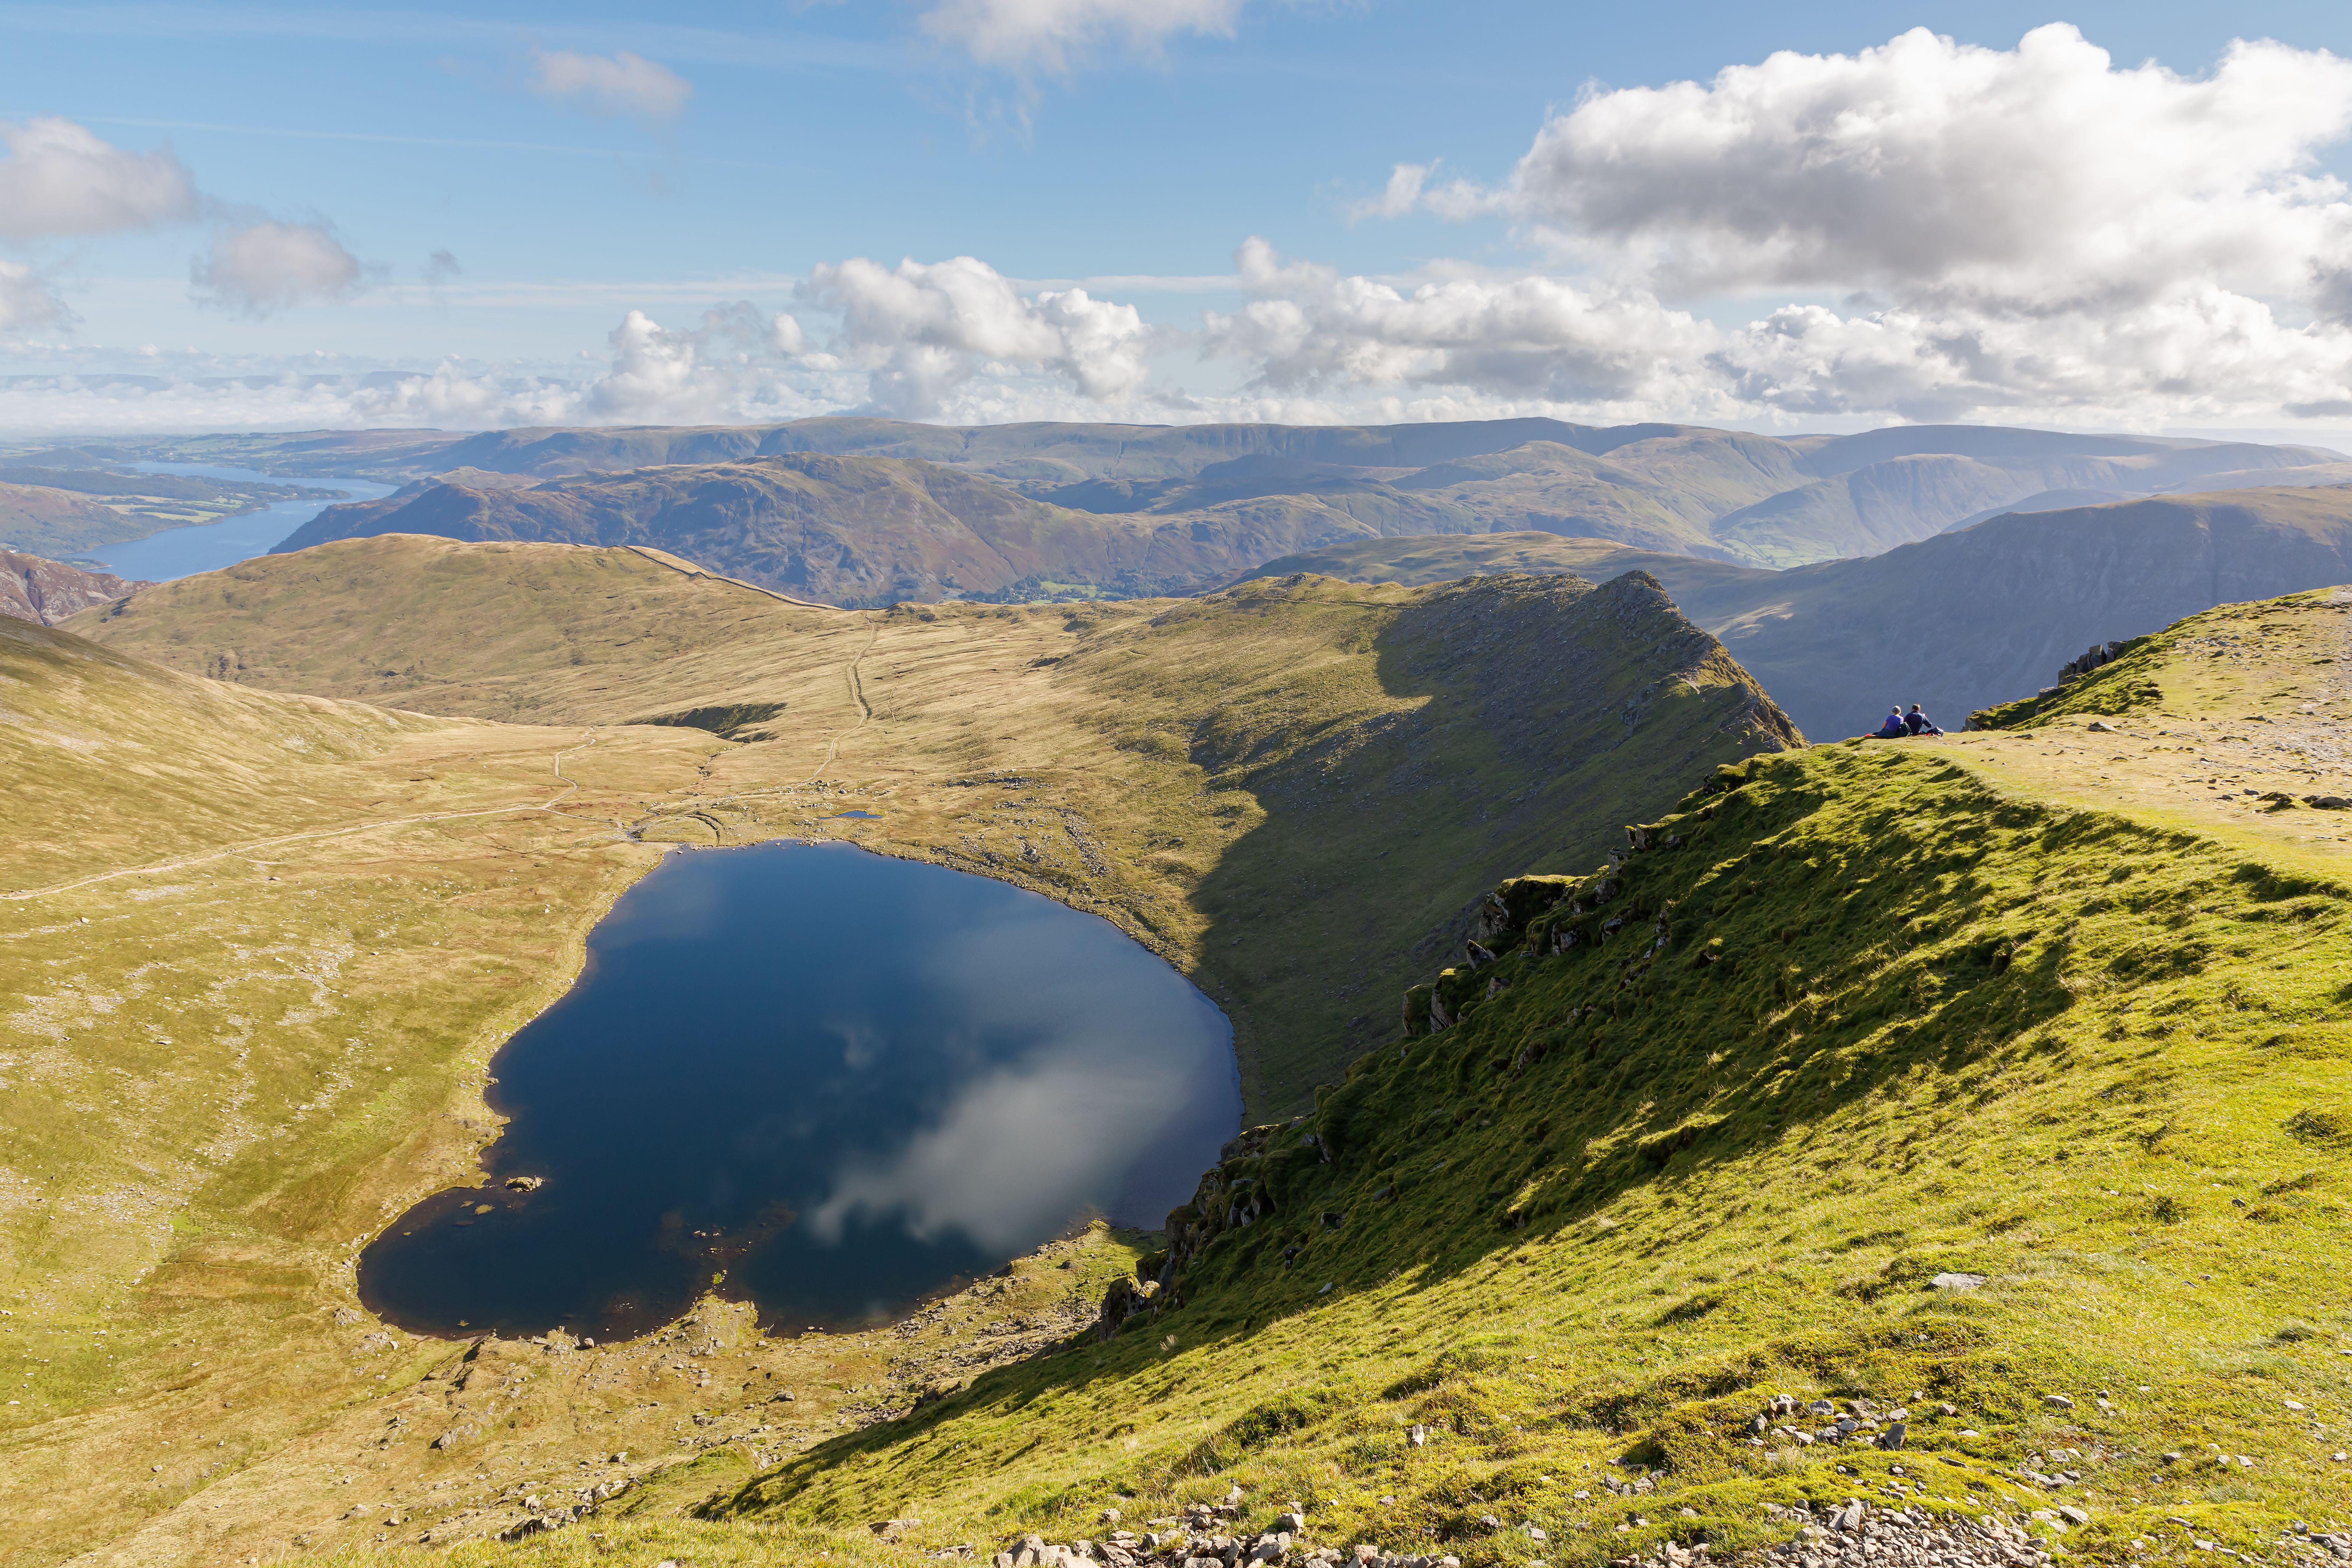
point(1057, 143)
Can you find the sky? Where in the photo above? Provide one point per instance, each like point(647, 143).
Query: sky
point(1829, 216)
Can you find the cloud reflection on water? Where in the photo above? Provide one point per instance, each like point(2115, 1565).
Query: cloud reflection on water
point(932, 1070)
point(1028, 1145)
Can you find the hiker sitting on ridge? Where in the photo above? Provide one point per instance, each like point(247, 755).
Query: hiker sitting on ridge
point(1893, 729)
point(1918, 723)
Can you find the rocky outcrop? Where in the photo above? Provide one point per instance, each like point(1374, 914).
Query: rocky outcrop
point(47, 591)
point(1206, 1535)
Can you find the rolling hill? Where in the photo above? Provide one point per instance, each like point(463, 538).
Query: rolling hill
point(1207, 498)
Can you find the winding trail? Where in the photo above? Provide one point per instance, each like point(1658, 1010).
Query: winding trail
point(684, 567)
point(856, 684)
point(235, 850)
point(857, 694)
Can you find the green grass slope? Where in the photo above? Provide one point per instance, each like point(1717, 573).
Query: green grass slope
point(1706, 590)
point(104, 748)
point(1707, 1132)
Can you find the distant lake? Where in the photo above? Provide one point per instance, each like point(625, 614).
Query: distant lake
point(208, 547)
point(841, 1079)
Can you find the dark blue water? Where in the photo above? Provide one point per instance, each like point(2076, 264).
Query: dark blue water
point(841, 1080)
point(209, 546)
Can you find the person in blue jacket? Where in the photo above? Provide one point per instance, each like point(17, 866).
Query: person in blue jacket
point(1894, 729)
point(1918, 723)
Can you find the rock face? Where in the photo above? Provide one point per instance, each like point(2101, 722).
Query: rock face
point(47, 591)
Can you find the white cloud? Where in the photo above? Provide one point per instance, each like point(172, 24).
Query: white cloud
point(60, 180)
point(27, 298)
point(922, 330)
point(2021, 234)
point(2190, 355)
point(1311, 329)
point(735, 367)
point(616, 84)
point(1409, 190)
point(261, 266)
point(2030, 179)
point(1052, 35)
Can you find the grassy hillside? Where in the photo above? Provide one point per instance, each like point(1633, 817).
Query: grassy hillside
point(258, 948)
point(40, 520)
point(2034, 1005)
point(1959, 622)
point(1943, 1081)
point(1283, 788)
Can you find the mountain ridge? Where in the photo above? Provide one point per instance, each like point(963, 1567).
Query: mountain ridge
point(1691, 490)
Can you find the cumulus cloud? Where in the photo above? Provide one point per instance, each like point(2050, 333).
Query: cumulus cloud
point(1476, 343)
point(658, 375)
point(2017, 233)
point(922, 331)
point(59, 181)
point(2036, 178)
point(1052, 35)
point(1409, 190)
point(734, 366)
point(1543, 338)
point(610, 85)
point(27, 298)
point(261, 266)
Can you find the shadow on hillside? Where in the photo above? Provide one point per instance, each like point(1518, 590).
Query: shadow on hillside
point(1537, 734)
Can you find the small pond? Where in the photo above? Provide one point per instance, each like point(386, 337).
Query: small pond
point(209, 546)
point(844, 1081)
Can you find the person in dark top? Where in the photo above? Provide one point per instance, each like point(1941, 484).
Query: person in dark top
point(1918, 723)
point(1894, 729)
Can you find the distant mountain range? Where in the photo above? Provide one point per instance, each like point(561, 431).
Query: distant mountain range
point(868, 511)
